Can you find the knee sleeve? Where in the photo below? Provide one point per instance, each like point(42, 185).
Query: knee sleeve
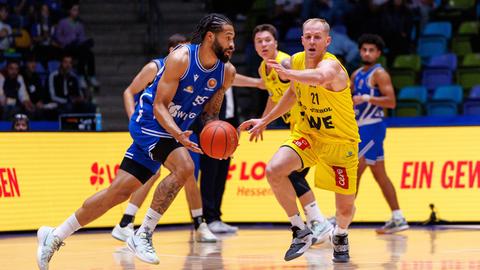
point(299, 182)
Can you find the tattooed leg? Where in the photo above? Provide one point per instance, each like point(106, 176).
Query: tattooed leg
point(165, 193)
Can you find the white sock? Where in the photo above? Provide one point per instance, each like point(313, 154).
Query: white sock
point(397, 214)
point(339, 231)
point(312, 212)
point(149, 222)
point(296, 220)
point(69, 226)
point(131, 209)
point(196, 212)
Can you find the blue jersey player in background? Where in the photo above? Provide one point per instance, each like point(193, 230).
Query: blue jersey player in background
point(373, 91)
point(148, 77)
point(192, 84)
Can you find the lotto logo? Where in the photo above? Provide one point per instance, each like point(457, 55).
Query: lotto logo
point(302, 143)
point(341, 177)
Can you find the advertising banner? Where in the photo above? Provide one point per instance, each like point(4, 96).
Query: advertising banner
point(45, 177)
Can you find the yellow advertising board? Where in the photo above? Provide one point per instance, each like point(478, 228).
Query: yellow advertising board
point(44, 178)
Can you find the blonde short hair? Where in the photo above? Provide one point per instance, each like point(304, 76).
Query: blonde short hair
point(326, 26)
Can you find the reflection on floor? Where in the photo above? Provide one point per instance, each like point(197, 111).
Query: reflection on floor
point(254, 248)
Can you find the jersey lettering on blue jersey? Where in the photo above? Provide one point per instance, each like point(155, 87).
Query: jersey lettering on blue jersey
point(367, 113)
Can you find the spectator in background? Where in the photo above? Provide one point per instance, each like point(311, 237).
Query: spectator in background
point(5, 30)
point(345, 49)
point(42, 31)
point(20, 123)
point(13, 93)
point(37, 92)
point(70, 35)
point(64, 89)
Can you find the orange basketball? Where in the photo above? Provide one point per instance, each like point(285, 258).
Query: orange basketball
point(219, 139)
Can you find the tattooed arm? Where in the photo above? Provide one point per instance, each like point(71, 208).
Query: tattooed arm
point(212, 108)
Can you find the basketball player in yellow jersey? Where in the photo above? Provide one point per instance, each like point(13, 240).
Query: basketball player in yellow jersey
point(327, 137)
point(266, 46)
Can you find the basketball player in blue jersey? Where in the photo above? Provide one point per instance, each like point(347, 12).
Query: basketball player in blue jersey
point(192, 83)
point(372, 92)
point(131, 96)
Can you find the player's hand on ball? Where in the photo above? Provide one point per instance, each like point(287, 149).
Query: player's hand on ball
point(255, 128)
point(184, 139)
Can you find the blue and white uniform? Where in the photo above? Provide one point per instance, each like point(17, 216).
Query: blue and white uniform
point(196, 86)
point(369, 117)
point(159, 62)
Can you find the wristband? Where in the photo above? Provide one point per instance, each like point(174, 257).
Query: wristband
point(366, 97)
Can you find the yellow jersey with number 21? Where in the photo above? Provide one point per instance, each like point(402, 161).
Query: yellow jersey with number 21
point(328, 116)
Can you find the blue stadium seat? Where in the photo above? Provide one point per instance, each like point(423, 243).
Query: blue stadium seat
point(39, 68)
point(472, 105)
point(442, 109)
point(471, 108)
point(410, 101)
point(452, 93)
point(443, 29)
point(413, 93)
point(448, 61)
point(445, 101)
point(475, 92)
point(293, 34)
point(431, 45)
point(433, 78)
point(53, 65)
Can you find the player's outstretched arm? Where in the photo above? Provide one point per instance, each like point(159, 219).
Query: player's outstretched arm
point(213, 106)
point(323, 74)
point(256, 126)
point(143, 78)
point(175, 67)
point(246, 81)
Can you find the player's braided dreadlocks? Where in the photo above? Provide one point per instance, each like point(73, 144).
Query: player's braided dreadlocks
point(212, 22)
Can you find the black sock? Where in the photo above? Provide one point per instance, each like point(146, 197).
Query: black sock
point(197, 221)
point(126, 219)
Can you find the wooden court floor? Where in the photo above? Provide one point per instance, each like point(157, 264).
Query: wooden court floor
point(255, 248)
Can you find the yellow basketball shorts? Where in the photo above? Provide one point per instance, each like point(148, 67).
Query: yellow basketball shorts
point(336, 163)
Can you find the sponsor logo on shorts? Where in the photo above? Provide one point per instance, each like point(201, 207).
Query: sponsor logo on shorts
point(302, 143)
point(341, 177)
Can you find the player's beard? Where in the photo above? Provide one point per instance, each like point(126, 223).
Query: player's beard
point(367, 63)
point(220, 52)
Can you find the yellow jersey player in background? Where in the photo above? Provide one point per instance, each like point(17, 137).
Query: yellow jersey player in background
point(266, 46)
point(327, 137)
